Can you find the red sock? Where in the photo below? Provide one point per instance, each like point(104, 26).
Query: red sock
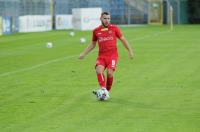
point(101, 80)
point(109, 83)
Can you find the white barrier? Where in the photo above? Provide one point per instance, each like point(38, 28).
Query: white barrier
point(86, 18)
point(35, 23)
point(7, 24)
point(64, 22)
point(1, 30)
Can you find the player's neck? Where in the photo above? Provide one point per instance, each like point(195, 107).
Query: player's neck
point(104, 26)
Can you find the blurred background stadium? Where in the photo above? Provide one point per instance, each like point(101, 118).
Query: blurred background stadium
point(12, 12)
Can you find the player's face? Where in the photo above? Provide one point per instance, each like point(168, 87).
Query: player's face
point(105, 20)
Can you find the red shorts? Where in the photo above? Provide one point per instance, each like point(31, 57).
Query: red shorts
point(107, 61)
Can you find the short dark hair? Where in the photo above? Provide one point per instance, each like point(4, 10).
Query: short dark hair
point(105, 13)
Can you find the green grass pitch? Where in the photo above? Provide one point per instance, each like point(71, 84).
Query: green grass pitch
point(50, 90)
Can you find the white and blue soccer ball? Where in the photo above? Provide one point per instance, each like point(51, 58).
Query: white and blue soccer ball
point(49, 45)
point(102, 94)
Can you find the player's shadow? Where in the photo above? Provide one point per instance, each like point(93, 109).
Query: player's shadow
point(129, 103)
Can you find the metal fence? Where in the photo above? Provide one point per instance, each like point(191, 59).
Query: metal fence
point(24, 7)
point(122, 11)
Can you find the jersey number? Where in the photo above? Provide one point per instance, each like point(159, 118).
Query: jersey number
point(113, 63)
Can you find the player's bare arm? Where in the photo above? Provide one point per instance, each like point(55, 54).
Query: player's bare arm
point(90, 47)
point(127, 46)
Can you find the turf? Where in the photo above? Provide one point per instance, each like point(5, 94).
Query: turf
point(50, 90)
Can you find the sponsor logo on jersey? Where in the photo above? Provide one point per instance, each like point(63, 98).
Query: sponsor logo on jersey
point(101, 39)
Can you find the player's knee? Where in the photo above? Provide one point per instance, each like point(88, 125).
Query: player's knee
point(110, 74)
point(99, 71)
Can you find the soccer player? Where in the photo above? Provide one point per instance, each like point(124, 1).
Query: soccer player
point(106, 35)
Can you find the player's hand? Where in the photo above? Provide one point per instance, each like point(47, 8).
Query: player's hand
point(81, 56)
point(131, 55)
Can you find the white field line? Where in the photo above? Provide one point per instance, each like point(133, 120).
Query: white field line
point(69, 57)
point(37, 66)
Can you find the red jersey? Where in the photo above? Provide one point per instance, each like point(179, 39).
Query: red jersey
point(107, 39)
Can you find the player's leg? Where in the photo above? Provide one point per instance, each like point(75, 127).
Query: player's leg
point(102, 93)
point(109, 83)
point(100, 67)
point(112, 62)
point(100, 76)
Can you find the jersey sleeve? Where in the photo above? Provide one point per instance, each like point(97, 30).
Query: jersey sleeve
point(118, 32)
point(94, 37)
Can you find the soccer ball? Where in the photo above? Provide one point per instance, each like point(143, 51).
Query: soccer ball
point(82, 40)
point(102, 94)
point(72, 34)
point(49, 45)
